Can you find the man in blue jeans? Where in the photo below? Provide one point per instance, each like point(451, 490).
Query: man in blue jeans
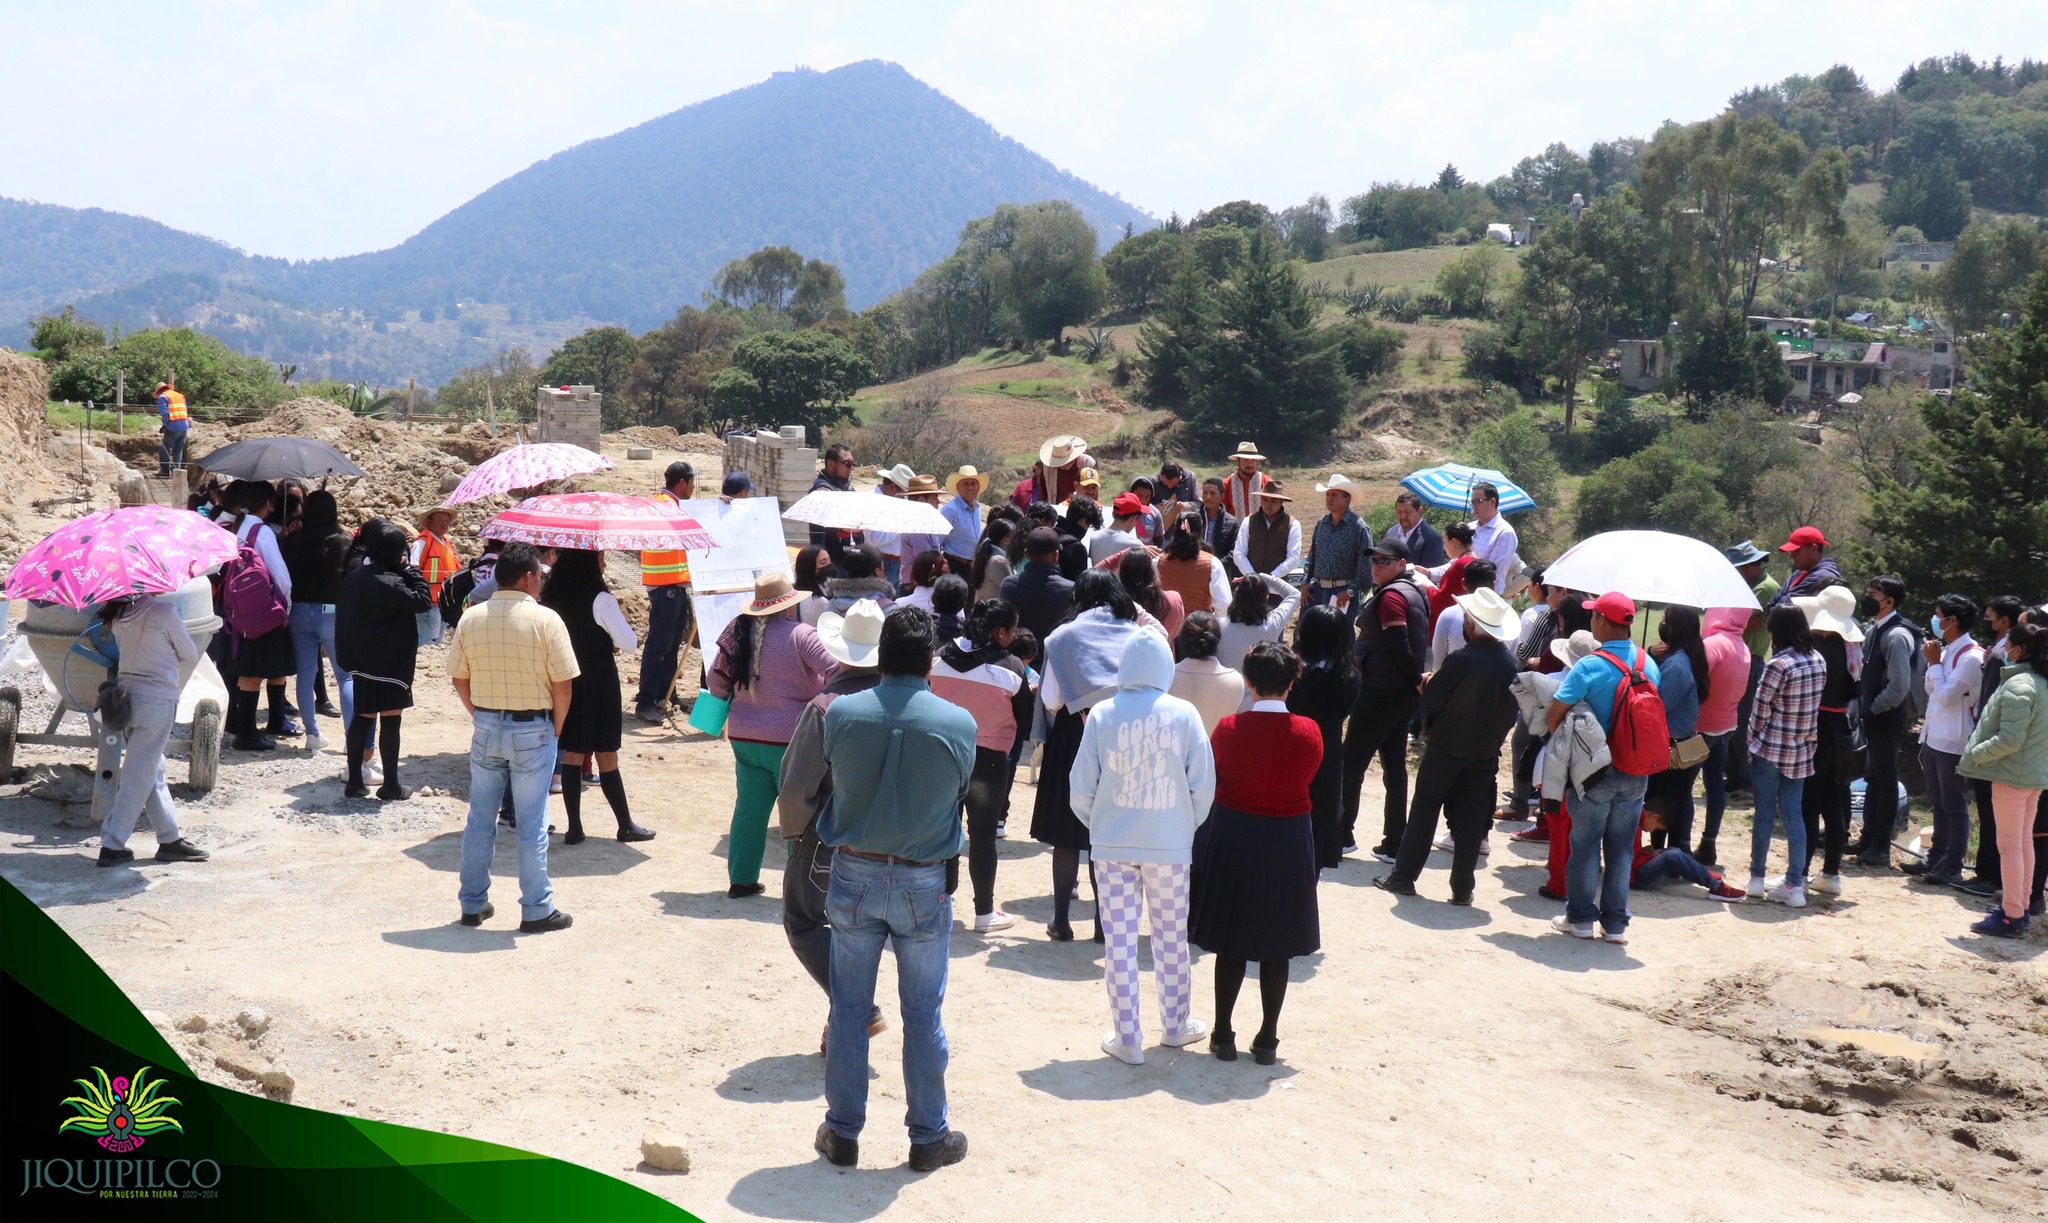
point(1605, 813)
point(900, 759)
point(511, 663)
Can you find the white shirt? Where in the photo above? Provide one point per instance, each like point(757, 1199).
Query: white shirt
point(888, 543)
point(1495, 541)
point(1953, 686)
point(1288, 563)
point(1449, 635)
point(605, 610)
point(1236, 640)
point(254, 530)
point(1219, 588)
point(1269, 705)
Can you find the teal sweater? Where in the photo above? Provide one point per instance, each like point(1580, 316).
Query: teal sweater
point(2010, 744)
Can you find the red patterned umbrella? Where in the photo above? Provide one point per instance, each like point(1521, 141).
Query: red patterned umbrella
point(599, 522)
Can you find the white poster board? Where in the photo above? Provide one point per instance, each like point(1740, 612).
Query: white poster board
point(714, 613)
point(749, 533)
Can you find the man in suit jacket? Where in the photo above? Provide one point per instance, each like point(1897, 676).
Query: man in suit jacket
point(1425, 546)
point(1219, 526)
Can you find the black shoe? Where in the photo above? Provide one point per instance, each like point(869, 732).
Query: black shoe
point(741, 890)
point(393, 792)
point(1098, 933)
point(355, 789)
point(254, 743)
point(1977, 887)
point(1060, 934)
point(180, 850)
point(931, 1156)
point(116, 857)
point(1705, 853)
point(478, 919)
point(1462, 899)
point(1388, 883)
point(574, 836)
point(1267, 1054)
point(1223, 1046)
point(1881, 862)
point(2037, 908)
point(1385, 853)
point(1543, 890)
point(1912, 868)
point(287, 729)
point(839, 1152)
point(556, 920)
point(326, 709)
point(634, 832)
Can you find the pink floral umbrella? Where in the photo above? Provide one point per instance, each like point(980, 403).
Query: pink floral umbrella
point(528, 466)
point(598, 522)
point(111, 554)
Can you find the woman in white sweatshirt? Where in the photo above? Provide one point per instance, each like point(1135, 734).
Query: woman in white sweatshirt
point(1143, 783)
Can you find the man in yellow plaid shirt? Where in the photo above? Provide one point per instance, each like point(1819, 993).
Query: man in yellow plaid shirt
point(511, 663)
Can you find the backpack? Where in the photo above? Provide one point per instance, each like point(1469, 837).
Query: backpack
point(1640, 742)
point(455, 593)
point(248, 599)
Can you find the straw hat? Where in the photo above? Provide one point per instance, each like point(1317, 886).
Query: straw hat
point(922, 486)
point(773, 593)
point(1833, 610)
point(900, 475)
point(1339, 483)
point(1062, 450)
point(1493, 614)
point(1571, 650)
point(428, 516)
point(856, 637)
point(967, 472)
point(1245, 450)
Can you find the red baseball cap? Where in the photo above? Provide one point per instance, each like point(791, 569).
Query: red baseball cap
point(1613, 605)
point(1802, 537)
point(1126, 505)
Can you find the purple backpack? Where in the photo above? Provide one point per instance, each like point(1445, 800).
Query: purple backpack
point(248, 599)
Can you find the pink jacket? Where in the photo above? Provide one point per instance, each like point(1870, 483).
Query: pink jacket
point(1727, 668)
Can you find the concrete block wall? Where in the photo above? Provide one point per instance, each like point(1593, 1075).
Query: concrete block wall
point(781, 466)
point(573, 414)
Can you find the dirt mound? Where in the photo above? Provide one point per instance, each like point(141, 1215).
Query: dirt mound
point(24, 385)
point(1430, 413)
point(664, 437)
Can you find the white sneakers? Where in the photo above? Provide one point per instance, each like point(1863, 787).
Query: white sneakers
point(373, 773)
point(1196, 1029)
point(1757, 887)
point(1564, 925)
point(1791, 895)
point(1825, 885)
point(1443, 842)
point(1124, 1053)
point(985, 923)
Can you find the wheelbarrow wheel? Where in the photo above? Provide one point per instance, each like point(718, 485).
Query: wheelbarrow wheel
point(10, 726)
point(205, 746)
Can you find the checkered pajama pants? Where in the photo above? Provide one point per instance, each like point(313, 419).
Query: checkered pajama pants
point(1127, 890)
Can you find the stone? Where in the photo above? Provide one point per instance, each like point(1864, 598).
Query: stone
point(640, 452)
point(254, 1021)
point(663, 1150)
point(195, 1023)
point(277, 1082)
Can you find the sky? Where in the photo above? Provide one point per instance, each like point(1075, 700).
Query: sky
point(315, 128)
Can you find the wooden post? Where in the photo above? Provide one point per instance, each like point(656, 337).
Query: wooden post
point(490, 410)
point(412, 392)
point(120, 401)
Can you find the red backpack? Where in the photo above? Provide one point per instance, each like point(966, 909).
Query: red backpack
point(1640, 742)
point(248, 599)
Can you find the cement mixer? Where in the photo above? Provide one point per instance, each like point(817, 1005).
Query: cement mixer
point(69, 643)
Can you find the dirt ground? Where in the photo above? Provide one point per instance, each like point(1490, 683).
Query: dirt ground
point(1862, 1059)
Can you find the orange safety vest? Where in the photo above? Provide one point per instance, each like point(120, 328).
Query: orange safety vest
point(438, 562)
point(174, 407)
point(668, 568)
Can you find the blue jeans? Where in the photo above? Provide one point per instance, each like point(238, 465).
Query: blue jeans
point(429, 623)
point(1604, 820)
point(312, 632)
point(871, 903)
point(519, 755)
point(1673, 863)
point(892, 571)
point(1949, 795)
point(1317, 595)
point(170, 450)
point(1778, 799)
point(668, 626)
point(1738, 761)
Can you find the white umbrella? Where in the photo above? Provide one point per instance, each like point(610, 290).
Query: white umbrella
point(1652, 567)
point(869, 511)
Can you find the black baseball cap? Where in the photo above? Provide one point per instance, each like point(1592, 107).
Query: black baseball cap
point(1396, 549)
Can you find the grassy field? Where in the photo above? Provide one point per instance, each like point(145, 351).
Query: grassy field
point(1412, 269)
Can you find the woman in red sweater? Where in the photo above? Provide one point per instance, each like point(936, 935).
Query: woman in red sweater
point(1255, 862)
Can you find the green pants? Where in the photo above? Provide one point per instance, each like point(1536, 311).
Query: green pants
point(758, 768)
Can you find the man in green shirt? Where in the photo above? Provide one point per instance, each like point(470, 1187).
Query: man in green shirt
point(1748, 560)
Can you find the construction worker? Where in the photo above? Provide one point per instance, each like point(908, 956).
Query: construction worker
point(666, 577)
point(435, 558)
point(170, 406)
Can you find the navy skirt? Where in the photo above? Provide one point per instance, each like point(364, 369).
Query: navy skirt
point(1255, 886)
point(1052, 815)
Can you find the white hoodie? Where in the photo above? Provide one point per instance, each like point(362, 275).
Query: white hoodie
point(1144, 779)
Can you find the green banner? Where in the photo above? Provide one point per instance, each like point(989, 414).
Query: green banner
point(103, 1120)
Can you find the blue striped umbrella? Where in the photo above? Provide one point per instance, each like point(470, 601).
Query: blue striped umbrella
point(1449, 487)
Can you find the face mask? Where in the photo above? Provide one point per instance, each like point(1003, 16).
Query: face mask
point(1934, 623)
point(1867, 606)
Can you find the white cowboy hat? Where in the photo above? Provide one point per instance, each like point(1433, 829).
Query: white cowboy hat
point(1245, 450)
point(1062, 450)
point(1494, 615)
point(1570, 650)
point(854, 638)
point(1833, 610)
point(1339, 483)
point(773, 593)
point(900, 475)
point(967, 472)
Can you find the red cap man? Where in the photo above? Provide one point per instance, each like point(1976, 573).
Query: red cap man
point(1614, 607)
point(1126, 505)
point(1804, 537)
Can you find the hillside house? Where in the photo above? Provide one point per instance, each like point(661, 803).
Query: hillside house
point(1917, 256)
point(1645, 364)
point(1781, 328)
point(1825, 370)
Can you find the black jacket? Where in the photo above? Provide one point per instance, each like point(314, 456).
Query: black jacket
point(1041, 596)
point(1468, 707)
point(1226, 540)
point(1392, 658)
point(374, 630)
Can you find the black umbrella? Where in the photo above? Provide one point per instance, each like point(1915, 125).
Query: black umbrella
point(277, 458)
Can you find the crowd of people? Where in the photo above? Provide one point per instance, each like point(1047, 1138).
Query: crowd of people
point(1201, 695)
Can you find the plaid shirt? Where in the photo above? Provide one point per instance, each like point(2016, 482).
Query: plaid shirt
point(511, 650)
point(1783, 721)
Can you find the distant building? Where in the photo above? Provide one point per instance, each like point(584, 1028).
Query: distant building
point(1645, 364)
point(1781, 328)
point(1826, 370)
point(1917, 256)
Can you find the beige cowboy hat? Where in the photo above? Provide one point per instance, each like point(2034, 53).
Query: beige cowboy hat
point(856, 637)
point(1494, 615)
point(967, 472)
point(922, 486)
point(1062, 450)
point(1833, 610)
point(773, 593)
point(1340, 483)
point(1570, 650)
point(439, 511)
point(900, 475)
point(1245, 450)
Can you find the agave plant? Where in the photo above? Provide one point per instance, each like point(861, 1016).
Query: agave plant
point(120, 1112)
point(363, 399)
point(1362, 300)
point(1099, 344)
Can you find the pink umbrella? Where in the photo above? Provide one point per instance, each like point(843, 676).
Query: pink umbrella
point(598, 522)
point(528, 466)
point(111, 554)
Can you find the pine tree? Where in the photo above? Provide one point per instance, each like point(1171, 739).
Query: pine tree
point(1171, 341)
point(1265, 372)
point(1978, 520)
